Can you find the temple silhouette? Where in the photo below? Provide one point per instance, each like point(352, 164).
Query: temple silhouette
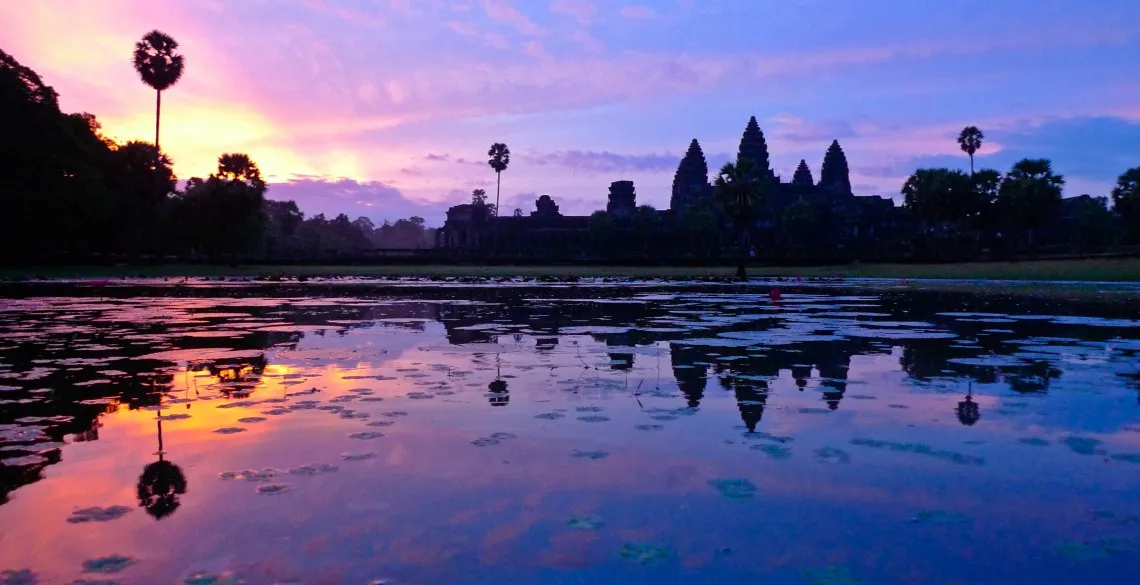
point(835, 217)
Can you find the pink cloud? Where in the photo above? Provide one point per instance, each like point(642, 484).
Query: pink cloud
point(587, 42)
point(504, 11)
point(638, 12)
point(583, 10)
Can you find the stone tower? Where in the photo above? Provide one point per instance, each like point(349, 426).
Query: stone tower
point(834, 175)
point(753, 147)
point(802, 178)
point(623, 199)
point(692, 179)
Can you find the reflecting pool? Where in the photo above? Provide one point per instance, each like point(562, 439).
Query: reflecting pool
point(590, 432)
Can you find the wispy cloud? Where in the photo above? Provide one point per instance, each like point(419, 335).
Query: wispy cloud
point(504, 11)
point(638, 12)
point(606, 162)
point(583, 10)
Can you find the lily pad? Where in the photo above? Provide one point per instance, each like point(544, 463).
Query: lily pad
point(649, 427)
point(97, 514)
point(380, 423)
point(585, 522)
point(773, 451)
point(549, 416)
point(1083, 445)
point(645, 553)
point(589, 409)
point(735, 488)
point(594, 418)
point(589, 454)
point(1034, 441)
point(1127, 457)
point(366, 435)
point(252, 419)
point(272, 489)
point(832, 455)
point(358, 456)
point(107, 565)
point(312, 469)
point(229, 430)
point(20, 577)
point(940, 518)
point(175, 416)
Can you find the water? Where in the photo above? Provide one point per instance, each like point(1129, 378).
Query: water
point(416, 433)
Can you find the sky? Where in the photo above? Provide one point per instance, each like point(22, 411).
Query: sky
point(386, 108)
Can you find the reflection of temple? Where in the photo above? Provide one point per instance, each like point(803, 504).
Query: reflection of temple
point(835, 215)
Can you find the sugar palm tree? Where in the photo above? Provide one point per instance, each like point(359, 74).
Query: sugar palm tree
point(500, 158)
point(160, 65)
point(741, 192)
point(970, 140)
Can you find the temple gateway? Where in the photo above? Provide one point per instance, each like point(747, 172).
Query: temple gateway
point(804, 217)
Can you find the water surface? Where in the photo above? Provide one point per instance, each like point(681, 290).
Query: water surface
point(599, 432)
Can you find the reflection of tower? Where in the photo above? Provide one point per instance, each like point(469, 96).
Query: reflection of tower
point(751, 399)
point(691, 378)
point(801, 373)
point(968, 411)
point(161, 484)
point(833, 369)
point(499, 394)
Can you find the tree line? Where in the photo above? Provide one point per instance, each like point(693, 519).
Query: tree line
point(67, 191)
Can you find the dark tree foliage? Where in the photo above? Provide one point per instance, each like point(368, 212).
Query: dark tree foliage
point(941, 195)
point(834, 173)
point(753, 147)
point(1030, 195)
point(798, 222)
point(742, 193)
point(1126, 196)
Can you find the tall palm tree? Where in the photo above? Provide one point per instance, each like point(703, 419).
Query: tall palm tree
point(970, 140)
point(500, 158)
point(160, 65)
point(741, 193)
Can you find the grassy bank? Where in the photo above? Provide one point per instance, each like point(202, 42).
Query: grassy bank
point(1097, 269)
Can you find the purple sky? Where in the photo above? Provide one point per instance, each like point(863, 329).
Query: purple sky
point(386, 108)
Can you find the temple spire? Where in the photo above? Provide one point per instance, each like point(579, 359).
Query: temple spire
point(834, 174)
point(802, 178)
point(692, 178)
point(753, 147)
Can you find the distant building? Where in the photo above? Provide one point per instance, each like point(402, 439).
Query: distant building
point(840, 219)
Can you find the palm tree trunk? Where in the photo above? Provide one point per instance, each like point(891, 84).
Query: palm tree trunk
point(971, 165)
point(157, 162)
point(157, 118)
point(494, 227)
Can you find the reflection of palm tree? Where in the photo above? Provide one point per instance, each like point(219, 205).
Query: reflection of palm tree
point(499, 395)
point(751, 399)
point(968, 411)
point(160, 484)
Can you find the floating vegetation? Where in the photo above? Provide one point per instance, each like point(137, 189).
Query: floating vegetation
point(353, 415)
point(177, 416)
point(648, 427)
point(1083, 445)
point(97, 514)
point(277, 411)
point(763, 436)
point(366, 435)
point(493, 439)
point(585, 522)
point(830, 576)
point(1034, 441)
point(358, 456)
point(107, 565)
point(312, 469)
point(229, 430)
point(549, 416)
point(272, 489)
point(266, 474)
point(372, 399)
point(19, 577)
point(580, 454)
point(832, 455)
point(394, 414)
point(773, 451)
point(594, 418)
point(920, 449)
point(380, 423)
point(940, 518)
point(589, 409)
point(1126, 457)
point(420, 395)
point(24, 461)
point(645, 553)
point(252, 419)
point(734, 488)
